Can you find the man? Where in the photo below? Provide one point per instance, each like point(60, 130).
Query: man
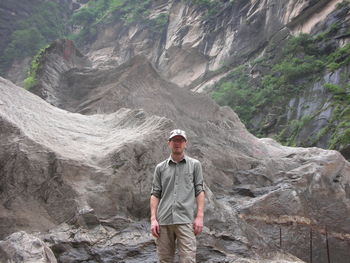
point(177, 191)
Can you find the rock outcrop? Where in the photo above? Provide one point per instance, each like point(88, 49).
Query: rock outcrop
point(76, 167)
point(39, 166)
point(57, 59)
point(196, 48)
point(92, 172)
point(199, 44)
point(22, 247)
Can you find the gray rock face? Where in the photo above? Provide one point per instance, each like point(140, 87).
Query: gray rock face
point(80, 173)
point(21, 247)
point(38, 169)
point(58, 58)
point(90, 175)
point(193, 45)
point(196, 50)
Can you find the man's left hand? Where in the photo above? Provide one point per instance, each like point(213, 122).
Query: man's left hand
point(198, 225)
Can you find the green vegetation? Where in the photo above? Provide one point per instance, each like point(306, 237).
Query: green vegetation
point(289, 134)
point(107, 11)
point(212, 6)
point(299, 62)
point(31, 80)
point(236, 93)
point(303, 62)
point(345, 3)
point(340, 124)
point(46, 24)
point(158, 23)
point(339, 58)
point(34, 32)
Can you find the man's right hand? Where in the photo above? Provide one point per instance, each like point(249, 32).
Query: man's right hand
point(155, 228)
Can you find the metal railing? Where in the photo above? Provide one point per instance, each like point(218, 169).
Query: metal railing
point(300, 221)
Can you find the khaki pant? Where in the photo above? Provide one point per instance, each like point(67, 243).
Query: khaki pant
point(181, 236)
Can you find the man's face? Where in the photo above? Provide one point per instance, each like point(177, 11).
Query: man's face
point(177, 144)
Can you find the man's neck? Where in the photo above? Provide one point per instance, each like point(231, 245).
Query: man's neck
point(177, 157)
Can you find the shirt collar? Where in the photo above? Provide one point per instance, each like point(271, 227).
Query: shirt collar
point(170, 160)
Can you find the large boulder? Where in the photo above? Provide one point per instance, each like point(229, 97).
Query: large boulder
point(21, 247)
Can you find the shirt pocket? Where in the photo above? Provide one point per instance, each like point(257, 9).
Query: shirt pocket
point(189, 180)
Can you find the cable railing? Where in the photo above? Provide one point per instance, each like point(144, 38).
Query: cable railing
point(300, 221)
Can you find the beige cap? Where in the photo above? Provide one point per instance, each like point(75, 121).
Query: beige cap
point(177, 132)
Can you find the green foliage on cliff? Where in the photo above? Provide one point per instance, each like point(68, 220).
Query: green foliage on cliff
point(209, 4)
point(339, 58)
point(212, 6)
point(107, 11)
point(42, 27)
point(304, 61)
point(340, 124)
point(299, 62)
point(235, 92)
point(345, 3)
point(31, 80)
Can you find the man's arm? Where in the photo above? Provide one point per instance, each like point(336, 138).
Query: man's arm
point(154, 223)
point(156, 194)
point(198, 221)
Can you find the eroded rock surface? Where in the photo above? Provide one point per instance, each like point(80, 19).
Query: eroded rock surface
point(90, 175)
point(22, 247)
point(57, 59)
point(195, 46)
point(80, 172)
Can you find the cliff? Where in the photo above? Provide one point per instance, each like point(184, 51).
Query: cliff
point(203, 47)
point(83, 179)
point(76, 161)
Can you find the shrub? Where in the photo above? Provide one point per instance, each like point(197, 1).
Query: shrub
point(31, 80)
point(336, 89)
point(24, 42)
point(84, 17)
point(105, 11)
point(345, 3)
point(339, 58)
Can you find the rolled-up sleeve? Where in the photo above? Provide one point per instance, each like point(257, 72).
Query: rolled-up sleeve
point(156, 185)
point(198, 178)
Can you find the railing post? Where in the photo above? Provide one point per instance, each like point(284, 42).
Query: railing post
point(310, 245)
point(328, 254)
point(280, 237)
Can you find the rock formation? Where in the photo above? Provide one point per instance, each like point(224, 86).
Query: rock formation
point(87, 177)
point(196, 48)
point(22, 247)
point(198, 45)
point(76, 164)
point(58, 58)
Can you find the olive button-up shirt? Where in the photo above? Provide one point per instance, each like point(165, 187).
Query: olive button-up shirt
point(177, 185)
